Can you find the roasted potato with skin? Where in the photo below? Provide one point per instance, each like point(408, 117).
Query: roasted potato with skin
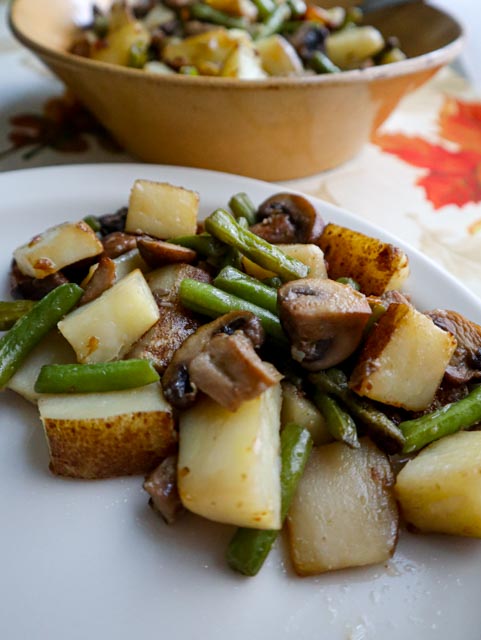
point(440, 489)
point(101, 435)
point(344, 513)
point(403, 359)
point(375, 265)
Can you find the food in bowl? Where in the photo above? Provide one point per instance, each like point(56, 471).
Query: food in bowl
point(250, 39)
point(251, 379)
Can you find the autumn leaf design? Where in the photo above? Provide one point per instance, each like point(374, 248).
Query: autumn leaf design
point(451, 177)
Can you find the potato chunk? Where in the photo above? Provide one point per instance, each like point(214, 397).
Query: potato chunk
point(403, 360)
point(309, 254)
point(299, 409)
point(101, 435)
point(278, 56)
point(344, 513)
point(107, 327)
point(243, 62)
point(440, 490)
point(229, 463)
point(162, 210)
point(377, 266)
point(56, 248)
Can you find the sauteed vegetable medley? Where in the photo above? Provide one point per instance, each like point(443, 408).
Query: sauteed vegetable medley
point(248, 39)
point(260, 368)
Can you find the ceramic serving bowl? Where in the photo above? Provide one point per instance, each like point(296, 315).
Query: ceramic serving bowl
point(273, 129)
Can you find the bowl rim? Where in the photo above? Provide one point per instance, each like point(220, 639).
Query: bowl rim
point(424, 62)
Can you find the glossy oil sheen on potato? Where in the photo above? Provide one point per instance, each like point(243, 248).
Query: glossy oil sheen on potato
point(403, 360)
point(101, 435)
point(344, 513)
point(440, 490)
point(229, 462)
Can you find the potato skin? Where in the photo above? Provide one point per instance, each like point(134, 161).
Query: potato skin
point(122, 445)
point(375, 265)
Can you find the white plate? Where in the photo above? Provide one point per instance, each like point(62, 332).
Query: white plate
point(89, 560)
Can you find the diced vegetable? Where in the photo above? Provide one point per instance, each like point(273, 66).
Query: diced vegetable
point(56, 248)
point(249, 548)
point(244, 63)
point(440, 489)
point(243, 207)
point(161, 210)
point(28, 331)
point(13, 310)
point(344, 513)
point(229, 463)
point(340, 424)
point(234, 281)
point(309, 254)
point(300, 410)
point(403, 360)
point(92, 378)
point(377, 266)
point(206, 51)
point(348, 48)
point(120, 42)
point(101, 435)
point(106, 328)
point(278, 56)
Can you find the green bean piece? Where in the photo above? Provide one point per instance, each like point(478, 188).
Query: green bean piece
point(265, 7)
point(205, 13)
point(93, 378)
point(16, 344)
point(249, 548)
point(248, 288)
point(378, 425)
point(93, 223)
point(223, 226)
point(274, 22)
point(350, 282)
point(210, 301)
point(378, 309)
point(138, 55)
point(339, 423)
point(298, 8)
point(203, 243)
point(243, 207)
point(189, 70)
point(273, 282)
point(11, 311)
point(320, 63)
point(449, 419)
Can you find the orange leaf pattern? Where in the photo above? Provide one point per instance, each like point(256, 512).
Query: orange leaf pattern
point(450, 177)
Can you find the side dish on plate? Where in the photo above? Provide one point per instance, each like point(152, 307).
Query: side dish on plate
point(261, 368)
point(249, 39)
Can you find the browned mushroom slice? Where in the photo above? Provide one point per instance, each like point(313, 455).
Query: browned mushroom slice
point(231, 372)
point(465, 364)
point(118, 243)
point(161, 485)
point(323, 319)
point(22, 286)
point(178, 388)
point(157, 253)
point(102, 279)
point(287, 218)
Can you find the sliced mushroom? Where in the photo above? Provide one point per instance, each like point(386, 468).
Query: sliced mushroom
point(287, 218)
point(156, 253)
point(102, 279)
point(465, 365)
point(118, 243)
point(230, 371)
point(161, 485)
point(178, 387)
point(111, 222)
point(324, 320)
point(22, 286)
point(309, 38)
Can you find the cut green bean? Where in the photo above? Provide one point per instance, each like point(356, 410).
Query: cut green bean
point(339, 423)
point(243, 207)
point(16, 344)
point(265, 7)
point(223, 226)
point(379, 426)
point(205, 13)
point(93, 378)
point(274, 22)
point(138, 55)
point(94, 223)
point(188, 70)
point(11, 311)
point(320, 63)
point(449, 419)
point(203, 243)
point(273, 282)
point(210, 301)
point(248, 288)
point(350, 282)
point(249, 548)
